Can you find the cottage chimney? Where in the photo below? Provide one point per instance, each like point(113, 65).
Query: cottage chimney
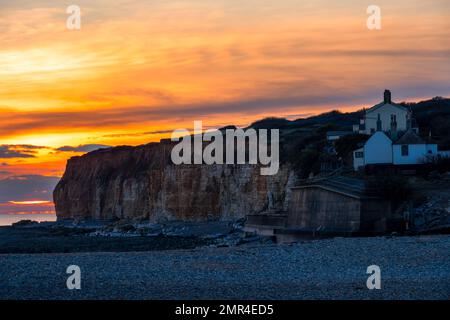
point(408, 121)
point(379, 127)
point(387, 96)
point(394, 133)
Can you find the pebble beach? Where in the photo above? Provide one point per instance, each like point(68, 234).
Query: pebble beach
point(411, 268)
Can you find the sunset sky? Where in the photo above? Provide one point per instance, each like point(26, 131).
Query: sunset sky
point(139, 69)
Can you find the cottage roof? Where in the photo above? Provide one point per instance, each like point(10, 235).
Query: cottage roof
point(410, 137)
point(351, 187)
point(387, 101)
point(377, 106)
point(379, 133)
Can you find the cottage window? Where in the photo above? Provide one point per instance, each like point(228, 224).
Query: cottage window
point(405, 150)
point(359, 154)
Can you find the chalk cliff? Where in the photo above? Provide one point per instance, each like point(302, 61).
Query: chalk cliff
point(141, 182)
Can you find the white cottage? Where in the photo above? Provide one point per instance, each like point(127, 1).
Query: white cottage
point(386, 116)
point(410, 149)
point(376, 150)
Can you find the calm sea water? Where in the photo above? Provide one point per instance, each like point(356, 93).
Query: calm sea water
point(8, 219)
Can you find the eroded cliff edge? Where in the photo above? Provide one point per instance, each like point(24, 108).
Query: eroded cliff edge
point(141, 182)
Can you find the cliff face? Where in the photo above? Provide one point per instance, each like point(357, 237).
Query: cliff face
point(141, 182)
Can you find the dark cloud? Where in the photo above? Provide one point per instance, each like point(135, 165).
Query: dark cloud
point(138, 134)
point(159, 132)
point(18, 151)
point(155, 94)
point(83, 148)
point(27, 187)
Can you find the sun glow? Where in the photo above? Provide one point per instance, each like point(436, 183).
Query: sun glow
point(36, 60)
point(30, 202)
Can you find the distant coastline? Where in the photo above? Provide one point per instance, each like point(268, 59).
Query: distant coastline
point(9, 219)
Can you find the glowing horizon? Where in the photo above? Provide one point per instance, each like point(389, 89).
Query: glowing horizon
point(30, 202)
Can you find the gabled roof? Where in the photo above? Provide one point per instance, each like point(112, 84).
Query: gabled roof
point(351, 187)
point(410, 137)
point(379, 133)
point(377, 106)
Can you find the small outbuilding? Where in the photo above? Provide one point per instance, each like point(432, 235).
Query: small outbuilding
point(411, 149)
point(337, 205)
